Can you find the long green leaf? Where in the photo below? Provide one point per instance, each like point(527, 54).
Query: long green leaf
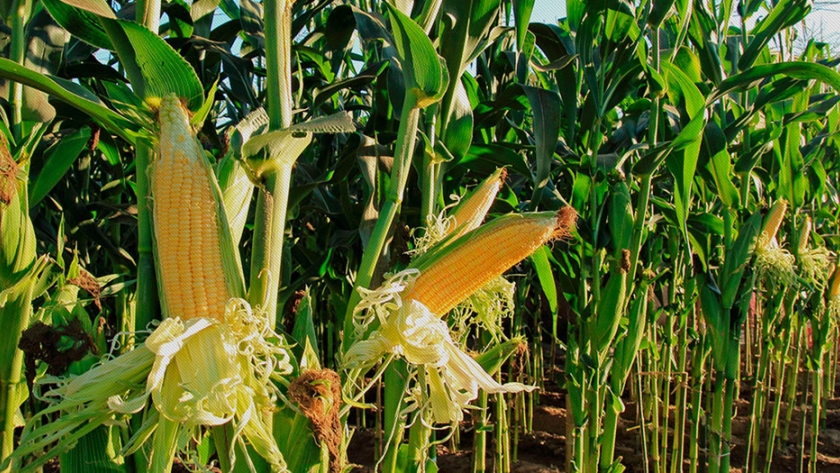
point(784, 14)
point(111, 121)
point(546, 278)
point(153, 67)
point(545, 105)
point(421, 65)
point(59, 158)
point(81, 23)
point(796, 69)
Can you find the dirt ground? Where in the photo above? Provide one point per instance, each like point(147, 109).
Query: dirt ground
point(543, 450)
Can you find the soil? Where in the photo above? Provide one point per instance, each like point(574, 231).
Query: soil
point(544, 449)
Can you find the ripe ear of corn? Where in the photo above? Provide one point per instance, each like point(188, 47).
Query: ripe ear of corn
point(197, 271)
point(834, 284)
point(470, 212)
point(772, 222)
point(467, 215)
point(450, 274)
point(17, 235)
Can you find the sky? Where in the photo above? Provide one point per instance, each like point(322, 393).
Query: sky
point(823, 23)
point(548, 11)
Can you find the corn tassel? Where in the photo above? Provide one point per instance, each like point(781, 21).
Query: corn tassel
point(186, 220)
point(453, 273)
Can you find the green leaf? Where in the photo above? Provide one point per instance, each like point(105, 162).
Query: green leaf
point(58, 160)
point(81, 23)
point(683, 164)
point(493, 359)
point(357, 82)
point(682, 90)
point(457, 136)
point(270, 151)
point(95, 452)
point(545, 105)
point(784, 14)
point(466, 27)
point(487, 158)
point(153, 67)
point(753, 77)
point(421, 65)
point(97, 7)
point(546, 278)
point(737, 258)
point(522, 14)
point(620, 216)
point(720, 163)
point(713, 314)
point(336, 123)
point(660, 10)
point(70, 93)
point(303, 331)
point(45, 42)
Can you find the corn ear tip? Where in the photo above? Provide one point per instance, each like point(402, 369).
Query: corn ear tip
point(805, 234)
point(773, 220)
point(565, 220)
point(8, 172)
point(834, 287)
point(153, 103)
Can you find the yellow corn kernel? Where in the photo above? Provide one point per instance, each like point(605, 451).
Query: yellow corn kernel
point(772, 222)
point(449, 276)
point(834, 286)
point(191, 274)
point(471, 211)
point(805, 234)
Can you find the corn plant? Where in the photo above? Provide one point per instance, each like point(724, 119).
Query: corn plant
point(269, 218)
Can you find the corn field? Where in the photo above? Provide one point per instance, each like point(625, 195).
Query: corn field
point(418, 236)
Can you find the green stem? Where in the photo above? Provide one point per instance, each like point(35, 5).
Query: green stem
point(793, 374)
point(18, 267)
point(278, 62)
point(14, 318)
point(502, 431)
point(427, 202)
point(20, 12)
point(758, 404)
point(480, 438)
point(396, 384)
point(273, 198)
point(269, 232)
point(406, 138)
point(678, 453)
point(147, 297)
point(697, 376)
point(418, 439)
point(653, 405)
point(716, 424)
point(782, 347)
point(147, 14)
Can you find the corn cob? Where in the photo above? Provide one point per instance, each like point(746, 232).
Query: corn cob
point(834, 285)
point(772, 222)
point(611, 305)
point(805, 234)
point(450, 275)
point(470, 212)
point(777, 262)
point(188, 243)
